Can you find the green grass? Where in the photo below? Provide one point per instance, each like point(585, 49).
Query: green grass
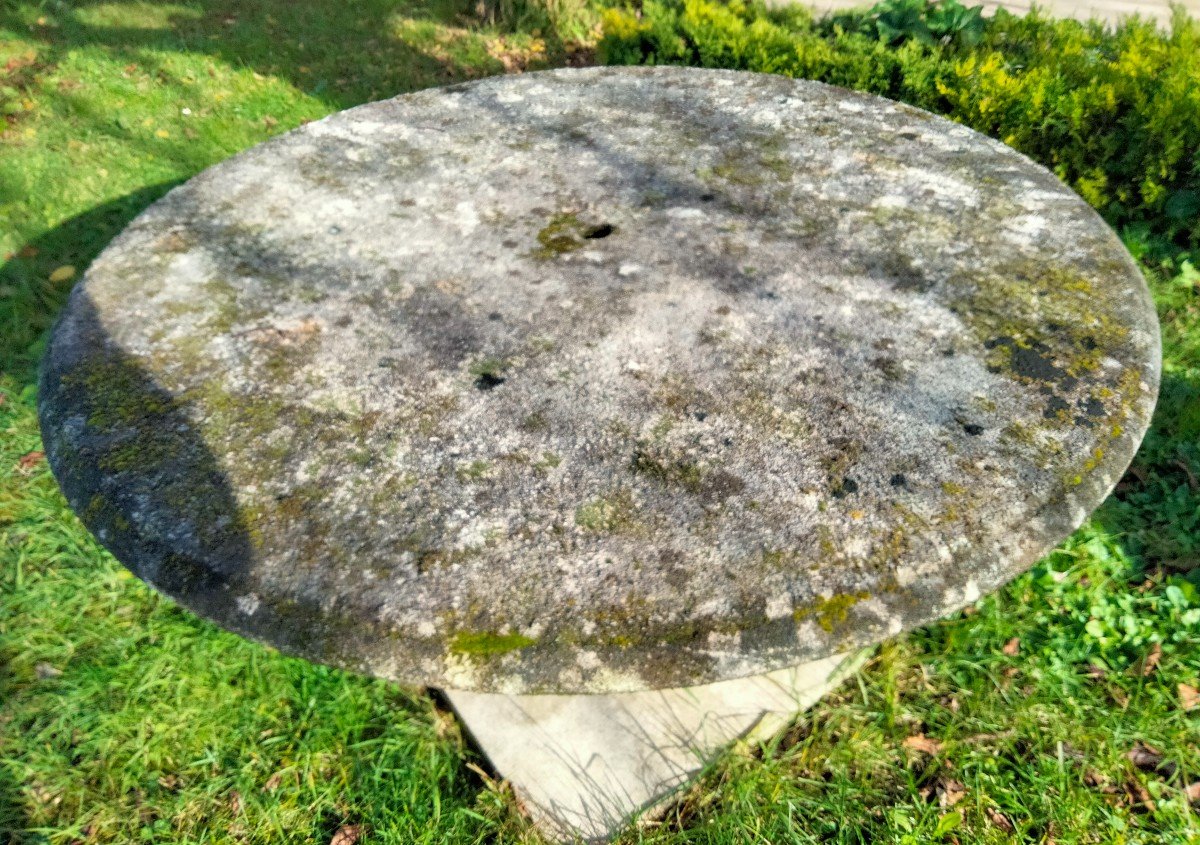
point(125, 719)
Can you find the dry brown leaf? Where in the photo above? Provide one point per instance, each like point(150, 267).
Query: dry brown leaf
point(1138, 796)
point(29, 460)
point(1192, 792)
point(950, 792)
point(1151, 660)
point(27, 252)
point(924, 744)
point(347, 834)
point(235, 803)
point(1118, 696)
point(1000, 820)
point(1145, 757)
point(1096, 673)
point(273, 782)
point(1012, 647)
point(1189, 697)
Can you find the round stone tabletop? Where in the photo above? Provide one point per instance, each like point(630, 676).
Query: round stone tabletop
point(598, 380)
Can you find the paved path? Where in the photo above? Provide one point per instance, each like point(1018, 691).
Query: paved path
point(1108, 10)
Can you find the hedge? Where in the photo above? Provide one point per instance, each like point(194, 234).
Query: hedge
point(1114, 112)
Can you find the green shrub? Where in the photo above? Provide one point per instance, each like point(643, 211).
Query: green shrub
point(1115, 113)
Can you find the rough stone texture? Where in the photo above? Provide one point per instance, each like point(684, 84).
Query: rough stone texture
point(600, 380)
point(581, 765)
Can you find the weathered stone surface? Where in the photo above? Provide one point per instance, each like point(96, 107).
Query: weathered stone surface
point(600, 380)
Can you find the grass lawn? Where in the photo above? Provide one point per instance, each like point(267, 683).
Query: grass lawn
point(1062, 709)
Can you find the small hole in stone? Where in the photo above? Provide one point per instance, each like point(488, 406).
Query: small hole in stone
point(898, 480)
point(973, 429)
point(495, 316)
point(707, 197)
point(597, 232)
point(489, 381)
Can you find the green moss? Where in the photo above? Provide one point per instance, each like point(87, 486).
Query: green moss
point(118, 393)
point(487, 643)
point(472, 471)
point(832, 612)
point(535, 422)
point(669, 470)
point(612, 514)
point(566, 233)
point(1042, 324)
point(549, 461)
point(950, 488)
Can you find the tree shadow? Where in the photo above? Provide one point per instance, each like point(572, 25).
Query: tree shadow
point(13, 819)
point(76, 242)
point(342, 54)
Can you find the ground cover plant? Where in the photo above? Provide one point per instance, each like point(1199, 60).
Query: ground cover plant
point(1062, 709)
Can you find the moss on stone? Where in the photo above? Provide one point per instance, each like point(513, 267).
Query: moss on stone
point(832, 612)
point(488, 643)
point(567, 233)
point(612, 514)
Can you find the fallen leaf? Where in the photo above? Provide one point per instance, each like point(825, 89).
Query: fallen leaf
point(29, 460)
point(45, 671)
point(1000, 820)
point(1095, 672)
point(1192, 792)
point(1012, 647)
point(924, 744)
point(1145, 757)
point(1138, 796)
point(273, 782)
point(63, 274)
point(235, 802)
point(1151, 660)
point(347, 834)
point(950, 792)
point(27, 252)
point(169, 781)
point(1189, 697)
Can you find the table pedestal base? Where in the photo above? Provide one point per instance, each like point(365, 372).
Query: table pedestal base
point(581, 765)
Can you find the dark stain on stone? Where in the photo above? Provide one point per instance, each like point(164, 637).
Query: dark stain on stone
point(845, 488)
point(719, 485)
point(489, 381)
point(1055, 405)
point(898, 480)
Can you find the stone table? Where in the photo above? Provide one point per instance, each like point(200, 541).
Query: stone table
point(601, 382)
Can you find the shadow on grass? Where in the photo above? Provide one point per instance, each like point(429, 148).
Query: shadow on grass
point(76, 242)
point(12, 811)
point(343, 54)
